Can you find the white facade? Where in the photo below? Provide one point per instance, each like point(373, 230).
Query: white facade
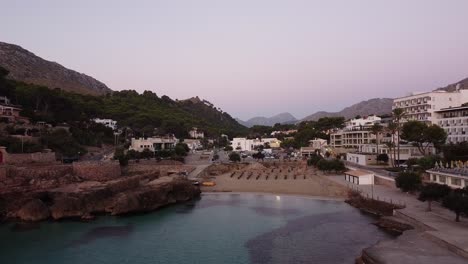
point(244, 144)
point(363, 159)
point(195, 133)
point(193, 144)
point(286, 132)
point(450, 177)
point(359, 177)
point(106, 122)
point(422, 106)
point(368, 121)
point(351, 138)
point(318, 143)
point(455, 122)
point(153, 143)
point(356, 133)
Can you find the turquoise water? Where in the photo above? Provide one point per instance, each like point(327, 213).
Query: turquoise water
point(219, 228)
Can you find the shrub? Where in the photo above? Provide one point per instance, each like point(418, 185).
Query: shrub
point(408, 181)
point(433, 192)
point(457, 201)
point(313, 160)
point(383, 158)
point(234, 157)
point(331, 165)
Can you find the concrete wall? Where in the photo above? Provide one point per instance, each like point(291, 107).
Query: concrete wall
point(379, 180)
point(96, 170)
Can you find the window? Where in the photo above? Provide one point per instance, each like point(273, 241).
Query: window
point(455, 181)
point(434, 177)
point(442, 179)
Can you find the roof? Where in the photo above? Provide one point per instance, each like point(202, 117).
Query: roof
point(452, 109)
point(358, 173)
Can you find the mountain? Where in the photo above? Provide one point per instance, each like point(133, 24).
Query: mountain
point(283, 118)
point(377, 106)
point(462, 85)
point(26, 67)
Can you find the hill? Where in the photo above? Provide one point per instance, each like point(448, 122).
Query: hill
point(283, 118)
point(26, 67)
point(145, 113)
point(462, 85)
point(377, 106)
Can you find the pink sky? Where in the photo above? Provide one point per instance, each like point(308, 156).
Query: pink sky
point(252, 57)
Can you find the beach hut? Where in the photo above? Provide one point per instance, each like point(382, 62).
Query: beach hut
point(359, 177)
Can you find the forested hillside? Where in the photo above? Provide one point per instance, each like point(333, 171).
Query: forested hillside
point(144, 113)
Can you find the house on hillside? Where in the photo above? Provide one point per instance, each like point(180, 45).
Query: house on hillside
point(195, 133)
point(106, 122)
point(153, 143)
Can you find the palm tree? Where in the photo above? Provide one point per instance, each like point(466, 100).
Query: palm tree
point(398, 114)
point(392, 128)
point(376, 129)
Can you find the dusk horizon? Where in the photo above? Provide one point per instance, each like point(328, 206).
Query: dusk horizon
point(235, 54)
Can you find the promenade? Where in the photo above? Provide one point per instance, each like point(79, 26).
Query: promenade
point(437, 226)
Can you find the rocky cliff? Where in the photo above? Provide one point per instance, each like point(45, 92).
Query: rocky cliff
point(77, 198)
point(26, 67)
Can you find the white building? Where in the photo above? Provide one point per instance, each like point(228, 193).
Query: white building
point(367, 154)
point(286, 132)
point(359, 177)
point(193, 144)
point(361, 158)
point(455, 178)
point(318, 143)
point(153, 143)
point(195, 133)
point(365, 122)
point(244, 144)
point(455, 122)
point(422, 106)
point(106, 122)
point(356, 133)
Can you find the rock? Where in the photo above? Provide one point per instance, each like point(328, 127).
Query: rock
point(35, 210)
point(67, 207)
point(393, 225)
point(87, 217)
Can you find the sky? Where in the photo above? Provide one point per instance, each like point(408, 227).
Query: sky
point(251, 57)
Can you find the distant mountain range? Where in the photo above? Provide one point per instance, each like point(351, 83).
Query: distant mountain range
point(283, 118)
point(26, 67)
point(376, 106)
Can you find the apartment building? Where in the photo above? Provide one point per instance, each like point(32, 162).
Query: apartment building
point(422, 106)
point(455, 122)
point(356, 133)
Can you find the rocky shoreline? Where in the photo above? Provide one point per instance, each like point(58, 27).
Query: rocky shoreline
point(78, 199)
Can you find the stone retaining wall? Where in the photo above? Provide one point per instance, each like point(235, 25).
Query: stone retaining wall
point(20, 159)
point(97, 171)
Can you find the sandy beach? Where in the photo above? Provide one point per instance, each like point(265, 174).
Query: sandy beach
point(279, 179)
